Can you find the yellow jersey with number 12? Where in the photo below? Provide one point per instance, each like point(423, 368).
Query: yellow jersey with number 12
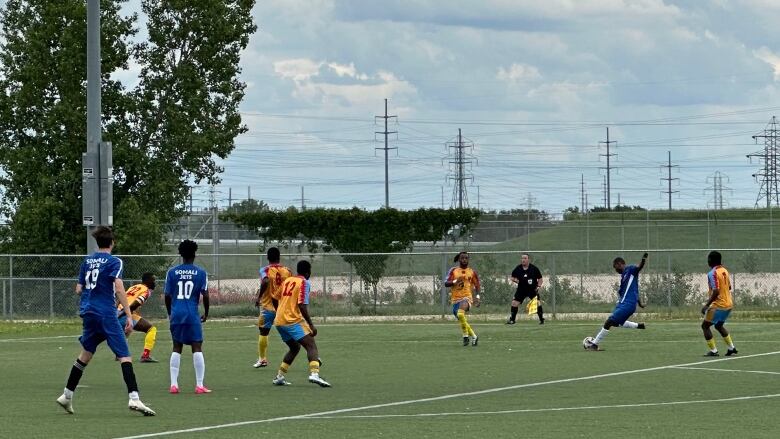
point(295, 290)
point(140, 293)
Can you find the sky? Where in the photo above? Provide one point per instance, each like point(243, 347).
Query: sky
point(532, 85)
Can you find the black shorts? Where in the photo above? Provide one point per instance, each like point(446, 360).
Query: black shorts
point(522, 295)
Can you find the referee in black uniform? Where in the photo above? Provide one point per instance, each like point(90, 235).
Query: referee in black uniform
point(528, 279)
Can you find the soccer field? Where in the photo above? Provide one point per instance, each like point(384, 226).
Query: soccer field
point(409, 380)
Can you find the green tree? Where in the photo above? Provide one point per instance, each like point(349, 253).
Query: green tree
point(167, 130)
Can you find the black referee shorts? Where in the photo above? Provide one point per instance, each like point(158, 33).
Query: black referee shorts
point(522, 295)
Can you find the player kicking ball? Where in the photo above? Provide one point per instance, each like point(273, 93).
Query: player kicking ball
point(628, 299)
point(295, 326)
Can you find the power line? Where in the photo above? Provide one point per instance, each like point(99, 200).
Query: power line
point(717, 190)
point(769, 189)
point(607, 142)
point(386, 149)
point(669, 178)
point(460, 159)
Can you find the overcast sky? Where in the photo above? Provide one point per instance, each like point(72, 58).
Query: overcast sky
point(533, 84)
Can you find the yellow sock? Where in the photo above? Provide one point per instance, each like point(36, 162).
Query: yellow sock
point(728, 341)
point(464, 325)
point(150, 338)
point(283, 368)
point(314, 367)
point(262, 346)
point(711, 345)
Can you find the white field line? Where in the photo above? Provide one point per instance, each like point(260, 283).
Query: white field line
point(729, 370)
point(53, 337)
point(442, 397)
point(550, 409)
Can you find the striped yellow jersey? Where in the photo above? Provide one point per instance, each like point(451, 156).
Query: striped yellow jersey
point(718, 279)
point(276, 274)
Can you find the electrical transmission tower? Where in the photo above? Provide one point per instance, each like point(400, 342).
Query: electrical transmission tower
point(769, 189)
point(386, 149)
point(608, 155)
point(668, 179)
point(460, 159)
point(717, 190)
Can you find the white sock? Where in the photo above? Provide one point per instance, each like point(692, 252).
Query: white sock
point(603, 333)
point(631, 325)
point(134, 395)
point(200, 367)
point(175, 361)
point(68, 393)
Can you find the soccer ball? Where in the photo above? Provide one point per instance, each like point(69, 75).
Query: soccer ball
point(587, 343)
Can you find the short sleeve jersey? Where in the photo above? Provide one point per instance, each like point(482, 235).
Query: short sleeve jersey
point(527, 278)
point(470, 282)
point(718, 279)
point(138, 292)
point(295, 291)
point(96, 277)
point(184, 284)
point(276, 274)
point(628, 293)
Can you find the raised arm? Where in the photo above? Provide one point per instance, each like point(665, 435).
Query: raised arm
point(642, 262)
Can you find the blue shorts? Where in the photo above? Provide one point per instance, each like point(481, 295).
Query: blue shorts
point(266, 319)
point(123, 319)
point(186, 333)
point(98, 329)
point(717, 315)
point(456, 306)
point(621, 313)
point(295, 332)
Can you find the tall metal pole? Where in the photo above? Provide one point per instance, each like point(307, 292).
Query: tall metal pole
point(94, 135)
point(387, 166)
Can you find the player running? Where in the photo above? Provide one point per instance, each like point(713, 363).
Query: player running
point(271, 278)
point(100, 281)
point(295, 326)
point(718, 306)
point(184, 285)
point(462, 280)
point(628, 299)
point(137, 295)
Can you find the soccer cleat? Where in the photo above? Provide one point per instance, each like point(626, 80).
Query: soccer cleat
point(315, 378)
point(174, 390)
point(640, 325)
point(199, 390)
point(148, 359)
point(474, 340)
point(280, 381)
point(541, 321)
point(731, 351)
point(66, 403)
point(466, 340)
point(510, 322)
point(712, 354)
point(319, 360)
point(260, 363)
point(137, 406)
point(593, 347)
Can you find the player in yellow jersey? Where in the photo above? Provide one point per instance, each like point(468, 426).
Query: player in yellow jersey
point(462, 280)
point(295, 326)
point(271, 278)
point(137, 295)
point(718, 306)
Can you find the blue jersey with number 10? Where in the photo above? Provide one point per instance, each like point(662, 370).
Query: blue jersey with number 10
point(96, 278)
point(184, 284)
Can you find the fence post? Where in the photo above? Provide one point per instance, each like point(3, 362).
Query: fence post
point(11, 286)
point(553, 275)
point(443, 291)
point(4, 313)
point(325, 295)
point(669, 283)
point(349, 300)
point(51, 298)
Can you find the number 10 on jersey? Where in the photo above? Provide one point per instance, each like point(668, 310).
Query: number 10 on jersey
point(185, 289)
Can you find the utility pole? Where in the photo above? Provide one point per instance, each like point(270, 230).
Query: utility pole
point(303, 200)
point(386, 150)
point(582, 193)
point(478, 207)
point(768, 176)
point(230, 197)
point(97, 180)
point(669, 178)
point(717, 190)
point(530, 200)
point(608, 155)
point(442, 197)
point(460, 160)
point(604, 190)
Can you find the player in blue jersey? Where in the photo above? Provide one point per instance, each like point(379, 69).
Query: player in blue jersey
point(184, 285)
point(100, 284)
point(628, 299)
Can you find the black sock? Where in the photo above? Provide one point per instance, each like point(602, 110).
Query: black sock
point(129, 376)
point(75, 375)
point(540, 313)
point(514, 313)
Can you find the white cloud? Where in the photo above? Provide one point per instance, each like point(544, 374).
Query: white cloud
point(297, 69)
point(518, 72)
point(769, 57)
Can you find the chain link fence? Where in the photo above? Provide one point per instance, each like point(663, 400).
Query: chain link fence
point(575, 282)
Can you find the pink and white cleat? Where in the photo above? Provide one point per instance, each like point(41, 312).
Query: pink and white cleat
point(199, 390)
point(174, 389)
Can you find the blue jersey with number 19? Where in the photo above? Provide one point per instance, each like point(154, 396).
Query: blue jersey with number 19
point(184, 284)
point(96, 278)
